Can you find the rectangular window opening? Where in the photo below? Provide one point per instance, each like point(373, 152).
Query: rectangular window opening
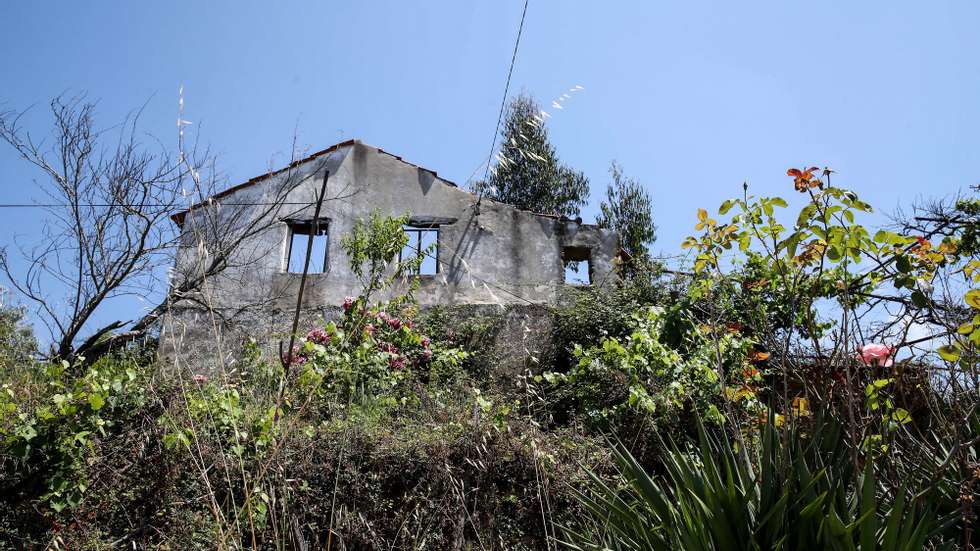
point(423, 243)
point(299, 239)
point(577, 264)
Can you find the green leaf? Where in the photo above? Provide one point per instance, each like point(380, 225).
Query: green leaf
point(903, 264)
point(901, 415)
point(949, 352)
point(972, 298)
point(96, 401)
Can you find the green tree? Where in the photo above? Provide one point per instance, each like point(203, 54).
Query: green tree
point(17, 343)
point(627, 209)
point(528, 173)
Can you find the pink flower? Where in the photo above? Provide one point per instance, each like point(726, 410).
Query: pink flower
point(319, 336)
point(200, 379)
point(296, 357)
point(427, 354)
point(348, 303)
point(397, 363)
point(383, 316)
point(394, 323)
point(369, 329)
point(425, 341)
point(876, 354)
point(388, 347)
point(409, 324)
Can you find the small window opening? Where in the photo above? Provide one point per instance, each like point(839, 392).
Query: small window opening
point(577, 263)
point(299, 238)
point(423, 242)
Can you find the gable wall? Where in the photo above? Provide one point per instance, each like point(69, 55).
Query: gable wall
point(496, 257)
point(502, 256)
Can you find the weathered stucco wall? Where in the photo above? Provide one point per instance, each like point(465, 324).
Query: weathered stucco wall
point(499, 255)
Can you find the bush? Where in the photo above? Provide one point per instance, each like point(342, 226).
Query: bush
point(640, 375)
point(585, 315)
point(787, 490)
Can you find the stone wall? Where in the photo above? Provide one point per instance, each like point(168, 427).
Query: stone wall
point(510, 340)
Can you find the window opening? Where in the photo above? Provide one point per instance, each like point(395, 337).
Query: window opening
point(577, 265)
point(423, 242)
point(299, 237)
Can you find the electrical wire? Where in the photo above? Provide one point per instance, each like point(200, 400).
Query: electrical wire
point(503, 100)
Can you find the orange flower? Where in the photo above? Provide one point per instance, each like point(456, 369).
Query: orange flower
point(756, 356)
point(803, 179)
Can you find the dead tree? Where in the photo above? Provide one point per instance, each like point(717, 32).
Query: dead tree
point(109, 232)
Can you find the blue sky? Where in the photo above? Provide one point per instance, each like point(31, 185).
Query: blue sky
point(692, 98)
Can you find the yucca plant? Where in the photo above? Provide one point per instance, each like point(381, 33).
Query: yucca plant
point(784, 490)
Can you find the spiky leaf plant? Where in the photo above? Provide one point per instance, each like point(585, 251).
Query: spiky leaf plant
point(790, 490)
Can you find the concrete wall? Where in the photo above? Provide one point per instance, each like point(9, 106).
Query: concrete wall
point(501, 255)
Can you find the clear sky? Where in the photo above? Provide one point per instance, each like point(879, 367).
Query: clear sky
point(692, 98)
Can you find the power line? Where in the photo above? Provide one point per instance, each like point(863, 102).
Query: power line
point(503, 100)
point(147, 205)
point(454, 254)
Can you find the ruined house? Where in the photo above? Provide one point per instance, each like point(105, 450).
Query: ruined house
point(482, 252)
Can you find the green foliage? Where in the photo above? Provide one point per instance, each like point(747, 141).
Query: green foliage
point(370, 353)
point(472, 333)
point(372, 247)
point(586, 314)
point(528, 173)
point(17, 343)
point(49, 433)
point(642, 374)
point(391, 430)
point(628, 210)
point(795, 490)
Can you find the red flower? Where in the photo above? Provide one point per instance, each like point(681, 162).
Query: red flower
point(348, 303)
point(200, 379)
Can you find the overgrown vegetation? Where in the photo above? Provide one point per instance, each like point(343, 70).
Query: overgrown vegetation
point(811, 384)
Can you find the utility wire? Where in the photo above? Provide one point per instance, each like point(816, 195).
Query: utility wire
point(503, 101)
point(157, 205)
point(493, 142)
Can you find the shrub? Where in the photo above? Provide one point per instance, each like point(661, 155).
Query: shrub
point(642, 375)
point(585, 315)
point(50, 433)
point(786, 491)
